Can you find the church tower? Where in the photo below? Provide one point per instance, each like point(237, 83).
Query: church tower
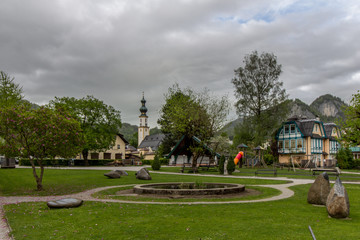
point(143, 129)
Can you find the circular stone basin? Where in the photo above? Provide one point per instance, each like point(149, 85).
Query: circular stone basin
point(189, 188)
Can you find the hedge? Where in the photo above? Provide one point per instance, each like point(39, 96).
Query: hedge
point(65, 162)
point(163, 161)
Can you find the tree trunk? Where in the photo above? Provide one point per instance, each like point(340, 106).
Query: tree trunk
point(38, 179)
point(85, 154)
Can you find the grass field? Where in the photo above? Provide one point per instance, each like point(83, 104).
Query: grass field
point(285, 172)
point(16, 182)
point(283, 219)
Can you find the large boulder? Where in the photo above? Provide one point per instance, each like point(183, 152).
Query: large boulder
point(112, 174)
point(122, 172)
point(319, 190)
point(337, 204)
point(65, 203)
point(143, 174)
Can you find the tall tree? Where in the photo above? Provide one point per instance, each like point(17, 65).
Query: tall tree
point(259, 93)
point(99, 122)
point(10, 95)
point(10, 92)
point(351, 126)
point(187, 113)
point(39, 134)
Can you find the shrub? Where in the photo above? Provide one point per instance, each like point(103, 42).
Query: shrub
point(221, 164)
point(156, 163)
point(269, 159)
point(345, 158)
point(163, 161)
point(231, 165)
point(65, 162)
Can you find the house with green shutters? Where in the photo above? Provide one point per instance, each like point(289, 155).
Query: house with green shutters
point(308, 141)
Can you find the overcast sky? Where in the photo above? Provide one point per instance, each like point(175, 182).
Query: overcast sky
point(115, 50)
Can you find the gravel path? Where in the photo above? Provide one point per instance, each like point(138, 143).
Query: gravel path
point(286, 192)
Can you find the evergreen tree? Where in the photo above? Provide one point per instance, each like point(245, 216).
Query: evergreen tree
point(231, 165)
point(221, 164)
point(156, 165)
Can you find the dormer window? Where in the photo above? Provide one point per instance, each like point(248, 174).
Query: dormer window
point(286, 127)
point(292, 128)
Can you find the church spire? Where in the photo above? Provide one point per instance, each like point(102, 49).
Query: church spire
point(143, 108)
point(143, 129)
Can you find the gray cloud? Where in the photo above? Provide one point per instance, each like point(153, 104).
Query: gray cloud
point(115, 50)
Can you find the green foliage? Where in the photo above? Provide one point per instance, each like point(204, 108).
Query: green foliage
point(130, 133)
point(39, 134)
point(260, 95)
point(231, 165)
point(345, 158)
point(99, 122)
point(187, 113)
point(156, 165)
point(10, 92)
point(351, 126)
point(155, 130)
point(221, 164)
point(163, 161)
point(65, 162)
point(269, 158)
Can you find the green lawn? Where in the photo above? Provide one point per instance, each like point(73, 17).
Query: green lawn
point(15, 182)
point(298, 173)
point(284, 219)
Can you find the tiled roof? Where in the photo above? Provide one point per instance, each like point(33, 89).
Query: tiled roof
point(152, 141)
point(328, 129)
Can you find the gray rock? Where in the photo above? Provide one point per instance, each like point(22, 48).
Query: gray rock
point(112, 174)
point(65, 203)
point(122, 172)
point(337, 204)
point(143, 174)
point(319, 190)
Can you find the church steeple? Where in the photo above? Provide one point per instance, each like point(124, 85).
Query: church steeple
point(143, 108)
point(143, 129)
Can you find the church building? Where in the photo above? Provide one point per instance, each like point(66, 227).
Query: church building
point(144, 129)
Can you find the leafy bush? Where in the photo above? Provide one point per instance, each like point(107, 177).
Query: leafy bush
point(269, 159)
point(345, 158)
point(163, 161)
point(156, 163)
point(231, 165)
point(65, 162)
point(221, 164)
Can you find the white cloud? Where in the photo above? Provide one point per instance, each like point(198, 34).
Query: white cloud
point(115, 50)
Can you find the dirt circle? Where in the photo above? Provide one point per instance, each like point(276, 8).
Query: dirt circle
point(246, 193)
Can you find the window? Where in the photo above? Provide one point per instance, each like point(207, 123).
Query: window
point(118, 146)
point(287, 144)
point(292, 128)
point(281, 144)
point(334, 132)
point(316, 127)
point(299, 143)
point(293, 143)
point(286, 129)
